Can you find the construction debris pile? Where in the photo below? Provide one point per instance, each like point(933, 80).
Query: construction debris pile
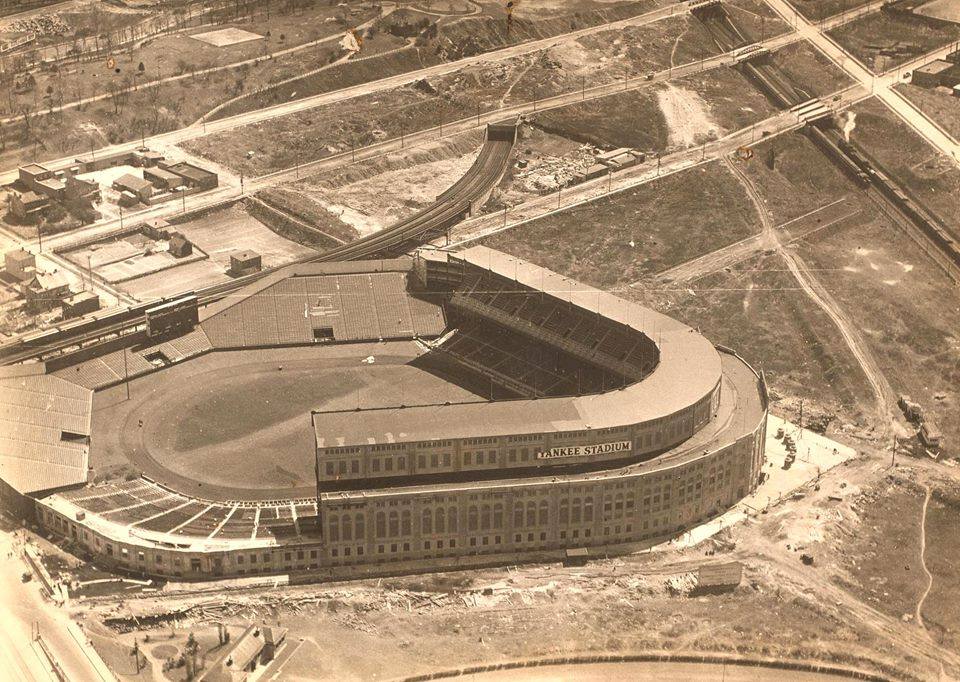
point(347, 606)
point(545, 174)
point(44, 25)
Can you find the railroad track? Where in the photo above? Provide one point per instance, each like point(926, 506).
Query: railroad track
point(451, 206)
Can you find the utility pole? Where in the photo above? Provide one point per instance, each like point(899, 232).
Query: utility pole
point(800, 433)
point(893, 457)
point(126, 373)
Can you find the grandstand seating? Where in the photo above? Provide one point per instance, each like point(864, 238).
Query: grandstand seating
point(144, 504)
point(521, 365)
point(539, 314)
point(108, 369)
point(353, 307)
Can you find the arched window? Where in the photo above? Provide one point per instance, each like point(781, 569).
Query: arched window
point(577, 503)
point(334, 528)
point(564, 510)
point(441, 520)
point(359, 523)
point(472, 518)
point(394, 524)
point(498, 516)
point(426, 522)
point(544, 517)
point(452, 520)
point(485, 517)
point(518, 515)
point(588, 509)
point(346, 527)
point(531, 514)
point(381, 525)
point(406, 523)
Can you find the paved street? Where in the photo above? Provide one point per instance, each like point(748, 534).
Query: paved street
point(25, 609)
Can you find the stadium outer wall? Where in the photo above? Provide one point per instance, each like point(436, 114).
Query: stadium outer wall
point(409, 530)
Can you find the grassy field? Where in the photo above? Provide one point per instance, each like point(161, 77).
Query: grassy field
point(815, 10)
point(755, 19)
point(300, 207)
point(592, 243)
point(759, 309)
point(862, 37)
point(239, 406)
point(732, 101)
point(882, 559)
point(628, 119)
point(940, 610)
point(802, 178)
point(939, 106)
point(906, 308)
point(907, 157)
point(808, 68)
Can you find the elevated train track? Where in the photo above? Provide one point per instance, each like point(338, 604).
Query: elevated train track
point(453, 205)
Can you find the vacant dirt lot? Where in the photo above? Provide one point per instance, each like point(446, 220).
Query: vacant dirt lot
point(941, 107)
point(809, 69)
point(816, 10)
point(905, 36)
point(907, 157)
point(940, 609)
point(794, 177)
point(616, 241)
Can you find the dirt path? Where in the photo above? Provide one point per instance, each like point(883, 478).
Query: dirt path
point(923, 559)
point(883, 395)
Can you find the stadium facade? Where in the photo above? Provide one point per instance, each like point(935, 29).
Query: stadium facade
point(595, 424)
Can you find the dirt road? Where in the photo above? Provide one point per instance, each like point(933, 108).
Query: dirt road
point(884, 396)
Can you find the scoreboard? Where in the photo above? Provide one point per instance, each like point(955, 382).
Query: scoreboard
point(180, 314)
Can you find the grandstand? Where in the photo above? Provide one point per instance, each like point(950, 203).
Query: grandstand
point(595, 407)
point(324, 304)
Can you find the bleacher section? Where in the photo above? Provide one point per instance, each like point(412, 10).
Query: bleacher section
point(335, 307)
point(525, 367)
point(547, 318)
point(109, 369)
point(144, 505)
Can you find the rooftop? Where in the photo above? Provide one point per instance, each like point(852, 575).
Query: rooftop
point(132, 182)
point(935, 66)
point(41, 417)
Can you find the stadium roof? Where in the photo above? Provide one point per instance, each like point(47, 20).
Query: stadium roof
point(44, 430)
point(689, 370)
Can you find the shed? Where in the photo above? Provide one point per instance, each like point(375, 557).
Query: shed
point(929, 75)
point(193, 176)
point(180, 246)
point(156, 228)
point(719, 577)
point(161, 178)
point(245, 262)
point(139, 187)
point(80, 304)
